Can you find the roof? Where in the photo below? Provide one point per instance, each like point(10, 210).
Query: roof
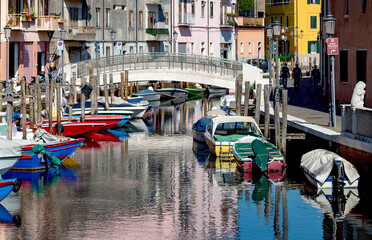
point(230, 119)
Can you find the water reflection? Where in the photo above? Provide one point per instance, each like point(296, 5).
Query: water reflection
point(158, 184)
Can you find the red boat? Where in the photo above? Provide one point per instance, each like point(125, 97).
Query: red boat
point(110, 121)
point(76, 129)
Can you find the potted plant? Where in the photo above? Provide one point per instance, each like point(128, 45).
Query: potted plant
point(26, 17)
point(257, 22)
point(248, 22)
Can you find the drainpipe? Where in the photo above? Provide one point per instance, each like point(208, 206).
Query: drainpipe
point(103, 27)
point(136, 26)
point(171, 25)
point(208, 9)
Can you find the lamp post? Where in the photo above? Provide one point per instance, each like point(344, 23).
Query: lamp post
point(295, 35)
point(62, 36)
point(175, 35)
point(269, 33)
point(277, 27)
point(9, 108)
point(330, 30)
point(113, 36)
point(284, 38)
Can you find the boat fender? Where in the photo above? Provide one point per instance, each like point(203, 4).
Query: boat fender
point(62, 127)
point(17, 185)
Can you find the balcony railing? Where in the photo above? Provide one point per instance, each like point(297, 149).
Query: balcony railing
point(15, 21)
point(47, 23)
point(186, 19)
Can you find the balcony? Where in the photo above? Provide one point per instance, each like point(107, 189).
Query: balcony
point(186, 20)
point(157, 34)
point(47, 23)
point(250, 21)
point(80, 32)
point(40, 23)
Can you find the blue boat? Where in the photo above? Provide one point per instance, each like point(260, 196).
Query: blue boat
point(9, 185)
point(7, 218)
point(199, 128)
point(148, 95)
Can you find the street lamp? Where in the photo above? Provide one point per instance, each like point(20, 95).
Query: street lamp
point(269, 33)
point(62, 36)
point(113, 36)
point(329, 22)
point(284, 38)
point(295, 35)
point(175, 35)
point(9, 108)
point(277, 27)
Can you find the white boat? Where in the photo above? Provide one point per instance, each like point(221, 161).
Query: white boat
point(324, 168)
point(148, 95)
point(11, 152)
point(223, 131)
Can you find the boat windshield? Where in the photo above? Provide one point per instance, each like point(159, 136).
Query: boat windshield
point(243, 128)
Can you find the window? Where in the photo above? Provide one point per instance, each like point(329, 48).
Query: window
point(74, 16)
point(249, 47)
point(313, 22)
point(241, 48)
point(98, 16)
point(202, 8)
point(202, 52)
point(221, 13)
point(192, 48)
point(86, 16)
point(361, 63)
point(151, 19)
point(140, 19)
point(313, 1)
point(211, 47)
point(107, 17)
point(233, 8)
point(131, 19)
point(193, 7)
point(363, 5)
point(313, 47)
point(344, 66)
point(259, 50)
point(286, 21)
point(131, 50)
point(346, 7)
point(140, 49)
point(211, 9)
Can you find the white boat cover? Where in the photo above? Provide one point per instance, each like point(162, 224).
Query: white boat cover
point(43, 136)
point(10, 149)
point(319, 163)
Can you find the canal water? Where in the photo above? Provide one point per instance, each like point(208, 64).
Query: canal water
point(153, 182)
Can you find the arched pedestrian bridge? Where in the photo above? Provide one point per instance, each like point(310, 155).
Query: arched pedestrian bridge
point(168, 67)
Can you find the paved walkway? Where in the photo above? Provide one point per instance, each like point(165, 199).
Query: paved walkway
point(308, 112)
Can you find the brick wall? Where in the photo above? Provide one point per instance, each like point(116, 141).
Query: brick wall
point(362, 160)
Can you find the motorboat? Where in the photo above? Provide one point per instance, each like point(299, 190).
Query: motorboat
point(217, 91)
point(110, 121)
point(75, 129)
point(127, 115)
point(254, 151)
point(199, 127)
point(148, 95)
point(223, 131)
point(11, 152)
point(195, 91)
point(326, 169)
point(169, 93)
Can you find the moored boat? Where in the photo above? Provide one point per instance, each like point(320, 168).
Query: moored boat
point(172, 93)
point(325, 169)
point(75, 129)
point(148, 95)
point(223, 131)
point(195, 91)
point(109, 121)
point(10, 153)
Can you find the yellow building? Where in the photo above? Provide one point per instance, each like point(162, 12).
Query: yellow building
point(303, 14)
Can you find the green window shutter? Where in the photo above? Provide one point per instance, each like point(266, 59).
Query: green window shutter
point(308, 1)
point(313, 22)
point(317, 1)
point(309, 47)
point(317, 47)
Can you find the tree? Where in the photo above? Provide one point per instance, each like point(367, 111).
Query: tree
point(245, 5)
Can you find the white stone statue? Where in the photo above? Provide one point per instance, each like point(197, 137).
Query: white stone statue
point(357, 100)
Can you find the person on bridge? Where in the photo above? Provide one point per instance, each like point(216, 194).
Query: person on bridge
point(296, 74)
point(284, 75)
point(315, 76)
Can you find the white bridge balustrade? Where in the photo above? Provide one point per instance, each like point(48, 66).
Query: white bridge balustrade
point(168, 67)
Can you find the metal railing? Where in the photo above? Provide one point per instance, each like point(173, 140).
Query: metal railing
point(159, 60)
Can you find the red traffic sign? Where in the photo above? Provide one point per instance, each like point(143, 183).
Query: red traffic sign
point(332, 46)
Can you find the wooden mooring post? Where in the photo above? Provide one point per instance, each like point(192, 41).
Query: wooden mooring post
point(93, 104)
point(31, 103)
point(121, 85)
point(9, 111)
point(238, 94)
point(112, 88)
point(107, 104)
point(126, 85)
point(277, 121)
point(284, 122)
point(258, 104)
point(246, 98)
point(267, 110)
point(58, 110)
point(38, 99)
point(24, 108)
point(82, 100)
point(50, 103)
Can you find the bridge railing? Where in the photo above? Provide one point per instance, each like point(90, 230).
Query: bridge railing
point(159, 61)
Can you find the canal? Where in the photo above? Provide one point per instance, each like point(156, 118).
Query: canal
point(154, 182)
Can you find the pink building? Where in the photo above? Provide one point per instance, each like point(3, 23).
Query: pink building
point(31, 30)
point(251, 38)
point(203, 28)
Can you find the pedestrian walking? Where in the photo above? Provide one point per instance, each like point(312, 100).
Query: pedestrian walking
point(315, 77)
point(284, 73)
point(296, 74)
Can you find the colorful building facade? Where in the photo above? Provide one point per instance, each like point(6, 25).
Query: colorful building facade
point(31, 30)
point(302, 19)
point(204, 28)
